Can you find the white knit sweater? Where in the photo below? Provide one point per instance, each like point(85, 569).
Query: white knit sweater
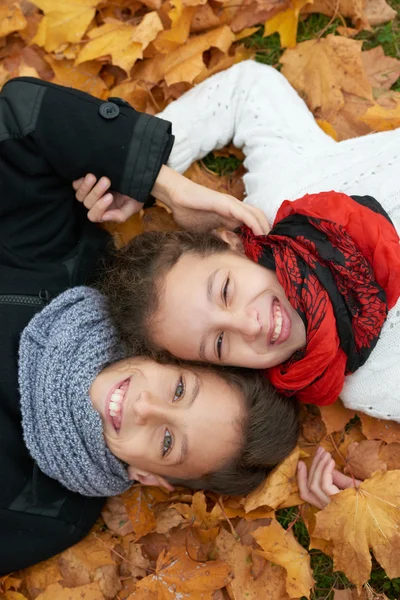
point(287, 156)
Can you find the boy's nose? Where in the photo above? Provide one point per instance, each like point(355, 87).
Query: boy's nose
point(148, 408)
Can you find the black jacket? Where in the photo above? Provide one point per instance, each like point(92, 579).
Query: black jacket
point(49, 136)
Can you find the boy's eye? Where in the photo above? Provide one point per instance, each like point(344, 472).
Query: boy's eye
point(167, 443)
point(179, 390)
point(219, 345)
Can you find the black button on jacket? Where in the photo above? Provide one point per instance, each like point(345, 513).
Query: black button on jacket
point(50, 135)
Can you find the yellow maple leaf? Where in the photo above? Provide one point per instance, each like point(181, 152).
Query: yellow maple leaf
point(282, 548)
point(83, 77)
point(358, 520)
point(181, 19)
point(380, 118)
point(285, 23)
point(322, 70)
point(123, 42)
point(65, 21)
point(11, 19)
point(89, 591)
point(178, 575)
point(278, 485)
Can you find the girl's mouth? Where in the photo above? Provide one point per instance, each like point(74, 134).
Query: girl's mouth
point(280, 324)
point(115, 403)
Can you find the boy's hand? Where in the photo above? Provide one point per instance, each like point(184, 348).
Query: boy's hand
point(193, 206)
point(102, 204)
point(323, 480)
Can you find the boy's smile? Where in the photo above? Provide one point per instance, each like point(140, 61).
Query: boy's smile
point(225, 309)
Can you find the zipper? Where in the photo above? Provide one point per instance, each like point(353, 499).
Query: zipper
point(41, 299)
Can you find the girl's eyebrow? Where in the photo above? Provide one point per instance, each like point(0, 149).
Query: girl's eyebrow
point(210, 284)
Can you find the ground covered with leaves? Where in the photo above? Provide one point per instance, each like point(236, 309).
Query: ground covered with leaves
point(342, 56)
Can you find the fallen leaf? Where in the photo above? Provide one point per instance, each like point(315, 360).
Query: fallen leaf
point(312, 427)
point(270, 582)
point(379, 429)
point(336, 416)
point(116, 516)
point(78, 564)
point(285, 23)
point(227, 184)
point(38, 577)
point(277, 486)
point(139, 502)
point(382, 119)
point(281, 547)
point(329, 130)
point(64, 21)
point(167, 518)
point(11, 19)
point(175, 571)
point(83, 77)
point(181, 19)
point(363, 459)
point(379, 12)
point(382, 71)
point(90, 591)
point(123, 42)
point(322, 70)
point(352, 9)
point(358, 520)
point(252, 12)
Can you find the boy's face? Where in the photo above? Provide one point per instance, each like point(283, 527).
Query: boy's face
point(226, 309)
point(163, 420)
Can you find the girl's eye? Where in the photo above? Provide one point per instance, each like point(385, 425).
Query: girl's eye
point(219, 345)
point(167, 443)
point(179, 390)
point(225, 291)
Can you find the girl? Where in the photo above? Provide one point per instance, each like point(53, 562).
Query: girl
point(79, 420)
point(321, 311)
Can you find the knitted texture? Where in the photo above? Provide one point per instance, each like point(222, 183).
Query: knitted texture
point(286, 156)
point(62, 350)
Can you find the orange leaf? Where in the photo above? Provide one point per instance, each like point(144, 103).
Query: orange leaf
point(11, 19)
point(285, 23)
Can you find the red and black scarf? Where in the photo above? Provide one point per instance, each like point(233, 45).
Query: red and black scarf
point(338, 260)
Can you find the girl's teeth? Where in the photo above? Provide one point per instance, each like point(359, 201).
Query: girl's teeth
point(278, 323)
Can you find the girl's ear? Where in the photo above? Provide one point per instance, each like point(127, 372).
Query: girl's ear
point(146, 478)
point(232, 239)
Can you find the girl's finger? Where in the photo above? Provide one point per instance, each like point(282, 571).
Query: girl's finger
point(315, 484)
point(327, 485)
point(343, 481)
point(96, 213)
point(85, 187)
point(318, 455)
point(77, 183)
point(97, 193)
point(304, 490)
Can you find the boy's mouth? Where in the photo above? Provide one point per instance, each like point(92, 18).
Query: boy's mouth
point(280, 326)
point(115, 403)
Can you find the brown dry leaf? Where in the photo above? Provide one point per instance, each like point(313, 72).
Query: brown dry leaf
point(241, 15)
point(281, 547)
point(12, 595)
point(116, 516)
point(338, 443)
point(322, 70)
point(379, 429)
point(38, 577)
point(90, 591)
point(336, 416)
point(197, 513)
point(64, 22)
point(390, 454)
point(383, 71)
point(11, 19)
point(352, 9)
point(78, 564)
point(139, 502)
point(379, 118)
point(363, 459)
point(285, 23)
point(268, 584)
point(167, 518)
point(227, 184)
point(123, 42)
point(358, 520)
point(277, 486)
point(378, 12)
point(177, 573)
point(347, 122)
point(312, 427)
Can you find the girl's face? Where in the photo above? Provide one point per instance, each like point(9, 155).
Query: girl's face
point(166, 420)
point(226, 309)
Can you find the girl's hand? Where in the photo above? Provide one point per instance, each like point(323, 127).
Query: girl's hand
point(323, 480)
point(193, 206)
point(102, 204)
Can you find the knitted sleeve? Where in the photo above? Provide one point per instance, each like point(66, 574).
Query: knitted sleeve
point(255, 107)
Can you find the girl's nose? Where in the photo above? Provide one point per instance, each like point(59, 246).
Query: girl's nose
point(247, 323)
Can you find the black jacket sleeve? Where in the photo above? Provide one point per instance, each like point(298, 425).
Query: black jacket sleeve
point(77, 133)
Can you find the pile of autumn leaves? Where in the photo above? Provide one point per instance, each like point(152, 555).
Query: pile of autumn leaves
point(156, 546)
point(159, 546)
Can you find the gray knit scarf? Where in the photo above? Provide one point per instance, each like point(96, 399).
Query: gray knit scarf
point(62, 350)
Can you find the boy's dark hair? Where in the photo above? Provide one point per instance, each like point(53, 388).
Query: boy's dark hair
point(134, 278)
point(269, 432)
